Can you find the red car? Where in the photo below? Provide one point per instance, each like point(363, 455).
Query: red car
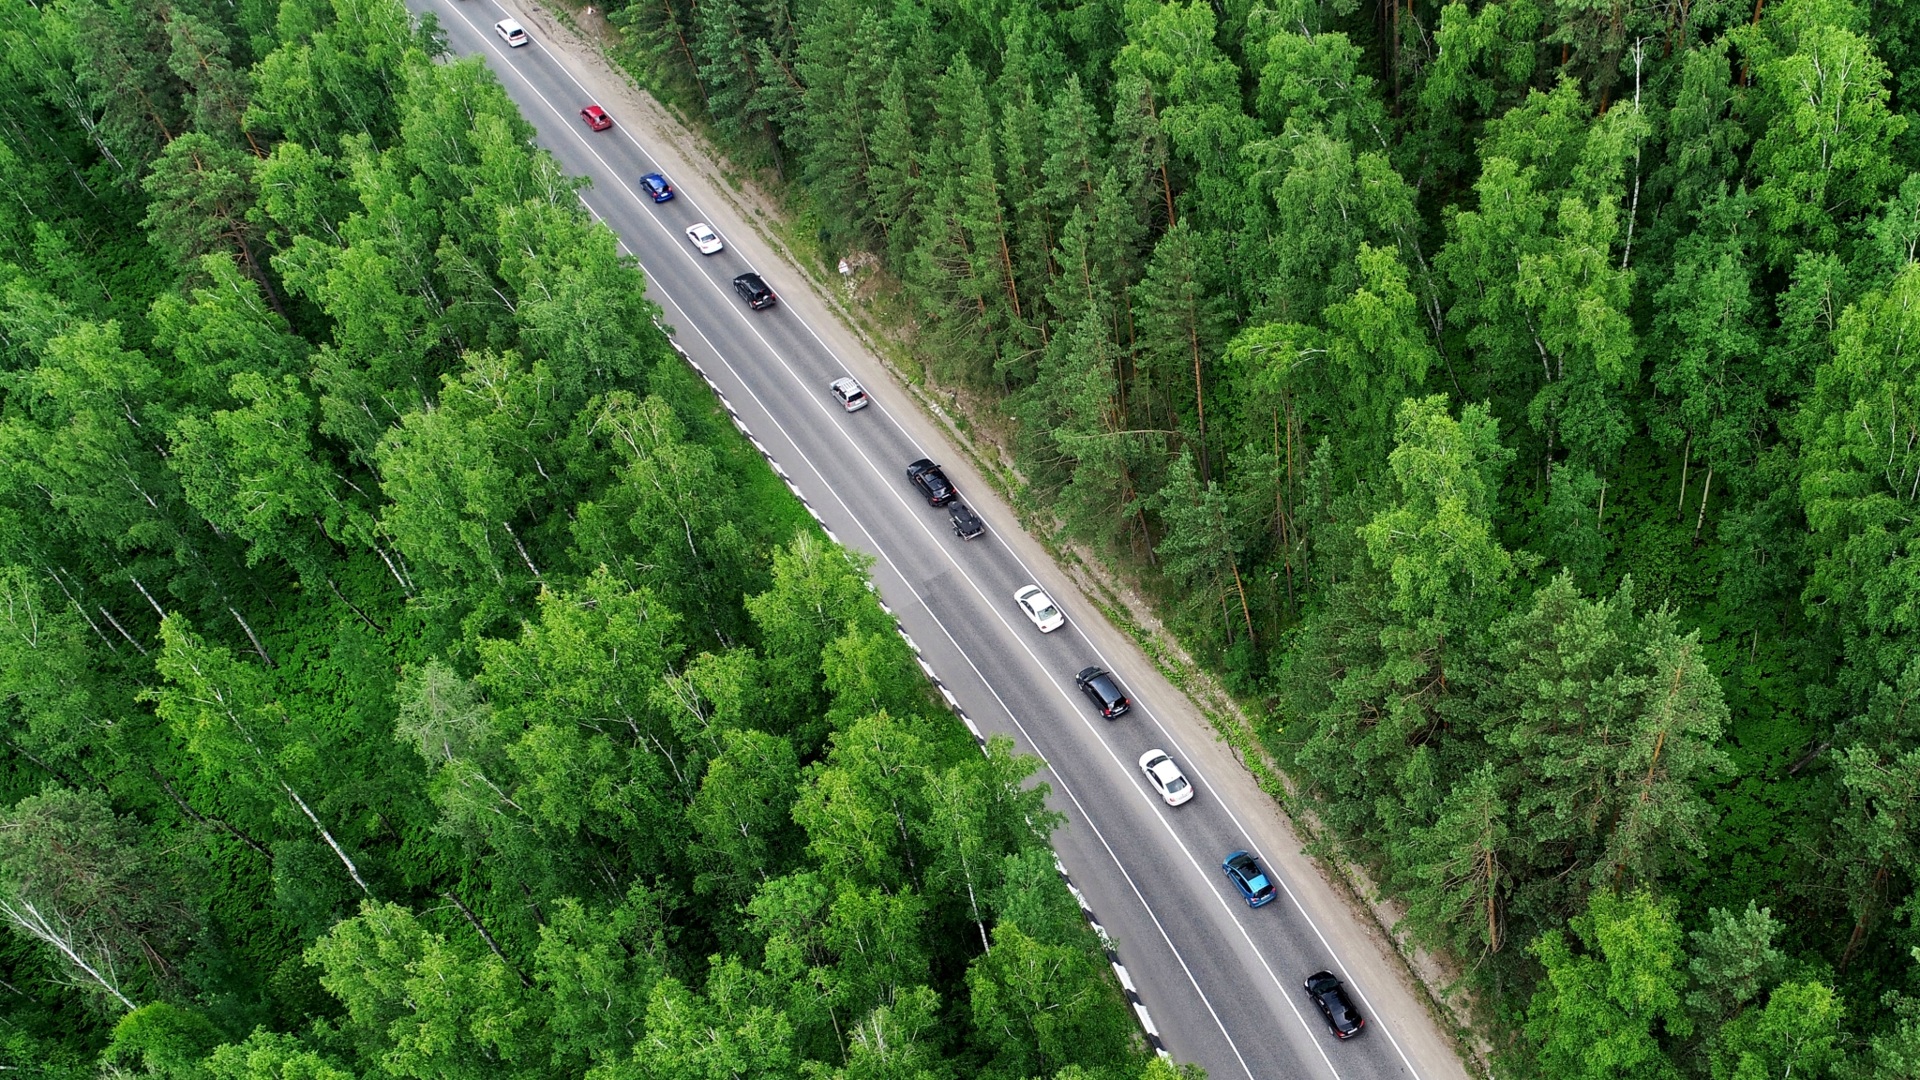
point(596, 118)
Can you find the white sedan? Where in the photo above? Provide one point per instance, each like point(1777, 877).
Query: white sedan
point(704, 238)
point(511, 32)
point(1166, 777)
point(1040, 609)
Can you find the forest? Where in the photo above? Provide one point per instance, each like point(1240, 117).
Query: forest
point(1513, 403)
point(406, 670)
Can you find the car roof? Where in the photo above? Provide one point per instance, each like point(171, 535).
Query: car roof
point(508, 25)
point(846, 383)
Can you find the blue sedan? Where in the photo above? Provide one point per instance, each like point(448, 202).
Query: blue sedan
point(1247, 877)
point(656, 186)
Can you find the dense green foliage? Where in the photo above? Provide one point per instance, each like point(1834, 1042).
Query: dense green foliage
point(1514, 401)
point(405, 669)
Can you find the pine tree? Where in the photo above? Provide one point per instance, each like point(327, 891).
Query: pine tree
point(1198, 548)
point(1179, 332)
point(1455, 872)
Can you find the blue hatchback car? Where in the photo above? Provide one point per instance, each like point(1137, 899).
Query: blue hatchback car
point(656, 185)
point(1247, 877)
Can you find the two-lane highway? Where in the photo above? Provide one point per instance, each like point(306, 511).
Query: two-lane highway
point(1223, 982)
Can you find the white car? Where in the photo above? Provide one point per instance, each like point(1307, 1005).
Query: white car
point(1040, 609)
point(851, 396)
point(704, 238)
point(1166, 777)
point(511, 32)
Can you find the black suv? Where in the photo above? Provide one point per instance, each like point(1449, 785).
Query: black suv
point(1325, 990)
point(754, 291)
point(1101, 689)
point(926, 476)
point(966, 523)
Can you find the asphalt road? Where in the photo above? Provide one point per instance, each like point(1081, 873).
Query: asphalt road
point(1222, 982)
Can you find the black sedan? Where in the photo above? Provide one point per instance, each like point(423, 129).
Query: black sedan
point(1103, 690)
point(754, 291)
point(926, 476)
point(1342, 1017)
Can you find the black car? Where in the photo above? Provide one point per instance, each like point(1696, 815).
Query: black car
point(1101, 689)
point(926, 476)
point(966, 523)
point(754, 291)
point(1342, 1017)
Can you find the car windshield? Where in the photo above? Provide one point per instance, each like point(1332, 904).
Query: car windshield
point(1046, 611)
point(1176, 784)
point(1258, 883)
